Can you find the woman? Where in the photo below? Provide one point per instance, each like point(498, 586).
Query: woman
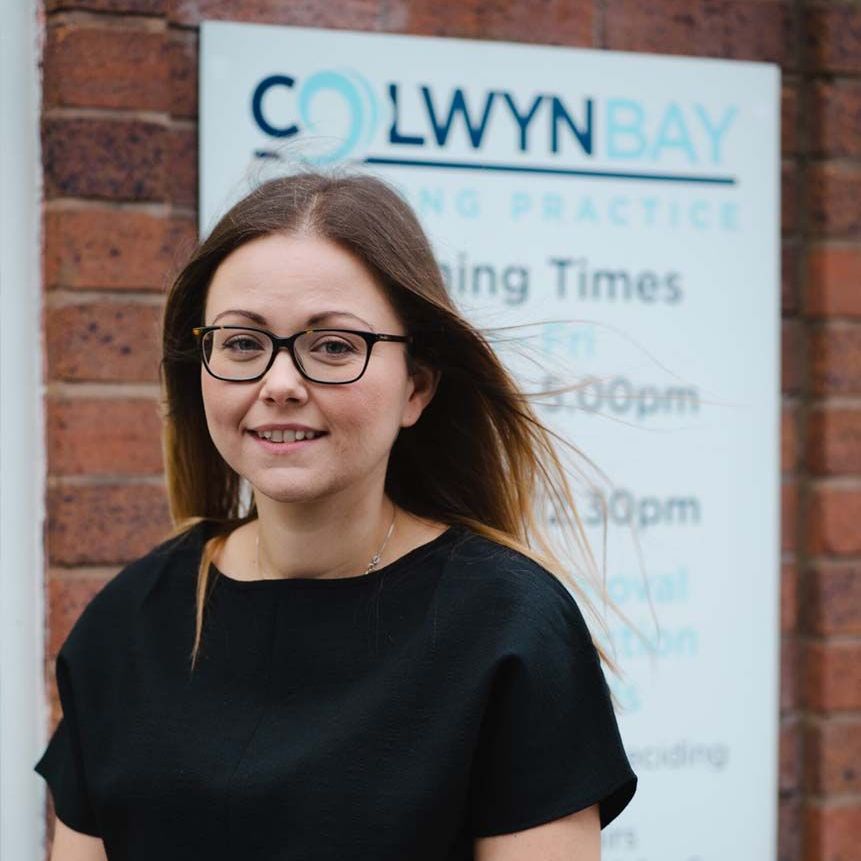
point(349, 648)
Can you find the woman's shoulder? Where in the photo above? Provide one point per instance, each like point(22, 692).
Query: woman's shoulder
point(109, 612)
point(132, 582)
point(492, 574)
point(496, 601)
point(483, 561)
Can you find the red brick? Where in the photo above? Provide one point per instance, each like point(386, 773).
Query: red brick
point(832, 676)
point(733, 29)
point(791, 357)
point(834, 441)
point(182, 64)
point(105, 249)
point(788, 515)
point(789, 828)
point(831, 831)
point(833, 283)
point(104, 158)
point(105, 68)
point(347, 15)
point(789, 277)
point(140, 7)
point(789, 776)
point(832, 520)
point(105, 524)
point(835, 359)
point(789, 438)
point(833, 191)
point(832, 759)
point(97, 436)
point(833, 599)
point(835, 117)
point(67, 597)
point(790, 655)
point(788, 197)
point(832, 36)
point(789, 119)
point(183, 167)
point(570, 23)
point(103, 341)
point(788, 597)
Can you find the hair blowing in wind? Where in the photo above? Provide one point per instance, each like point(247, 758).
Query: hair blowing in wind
point(478, 456)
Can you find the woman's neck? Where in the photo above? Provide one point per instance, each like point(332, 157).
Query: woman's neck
point(308, 541)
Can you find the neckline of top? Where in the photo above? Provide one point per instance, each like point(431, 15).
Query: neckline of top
point(338, 582)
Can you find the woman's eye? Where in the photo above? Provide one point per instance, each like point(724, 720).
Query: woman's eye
point(335, 347)
point(242, 345)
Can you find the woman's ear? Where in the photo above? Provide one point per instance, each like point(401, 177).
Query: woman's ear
point(423, 381)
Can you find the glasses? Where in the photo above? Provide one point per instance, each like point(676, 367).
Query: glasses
point(240, 354)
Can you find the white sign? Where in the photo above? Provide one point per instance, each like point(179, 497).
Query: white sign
point(631, 200)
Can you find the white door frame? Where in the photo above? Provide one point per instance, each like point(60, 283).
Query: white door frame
point(23, 710)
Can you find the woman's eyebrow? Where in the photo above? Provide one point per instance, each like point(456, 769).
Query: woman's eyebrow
point(250, 314)
point(323, 315)
point(312, 320)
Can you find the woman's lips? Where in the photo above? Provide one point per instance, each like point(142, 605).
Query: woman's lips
point(284, 447)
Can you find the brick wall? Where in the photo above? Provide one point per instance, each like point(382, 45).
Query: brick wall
point(119, 147)
point(821, 726)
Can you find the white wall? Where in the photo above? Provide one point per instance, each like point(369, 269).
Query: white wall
point(23, 710)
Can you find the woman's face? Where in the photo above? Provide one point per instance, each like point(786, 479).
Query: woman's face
point(279, 282)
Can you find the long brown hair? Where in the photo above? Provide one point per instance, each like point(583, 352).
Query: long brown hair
point(499, 466)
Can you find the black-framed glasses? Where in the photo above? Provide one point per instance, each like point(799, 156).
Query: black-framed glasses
point(243, 354)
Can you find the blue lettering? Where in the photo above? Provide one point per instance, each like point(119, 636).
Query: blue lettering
point(522, 120)
point(584, 136)
point(552, 207)
point(625, 123)
point(257, 106)
point(650, 205)
point(520, 204)
point(431, 200)
point(458, 106)
point(467, 203)
point(729, 216)
point(618, 213)
point(395, 136)
point(716, 132)
point(673, 134)
point(586, 211)
point(698, 214)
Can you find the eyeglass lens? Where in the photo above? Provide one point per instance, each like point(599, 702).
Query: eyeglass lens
point(328, 357)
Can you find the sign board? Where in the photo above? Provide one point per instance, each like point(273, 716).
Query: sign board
point(627, 205)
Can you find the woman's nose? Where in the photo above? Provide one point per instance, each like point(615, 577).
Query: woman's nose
point(283, 382)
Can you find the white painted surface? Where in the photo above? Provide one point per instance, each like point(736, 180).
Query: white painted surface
point(23, 710)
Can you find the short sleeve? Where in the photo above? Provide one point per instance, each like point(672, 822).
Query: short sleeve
point(549, 743)
point(62, 764)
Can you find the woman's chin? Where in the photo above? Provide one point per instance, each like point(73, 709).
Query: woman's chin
point(287, 492)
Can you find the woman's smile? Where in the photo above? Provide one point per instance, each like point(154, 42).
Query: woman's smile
point(282, 442)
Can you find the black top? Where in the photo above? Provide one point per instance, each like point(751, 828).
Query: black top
point(452, 693)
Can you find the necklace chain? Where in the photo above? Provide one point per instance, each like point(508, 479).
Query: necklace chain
point(375, 559)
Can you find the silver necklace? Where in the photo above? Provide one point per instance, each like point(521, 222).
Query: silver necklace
point(375, 559)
